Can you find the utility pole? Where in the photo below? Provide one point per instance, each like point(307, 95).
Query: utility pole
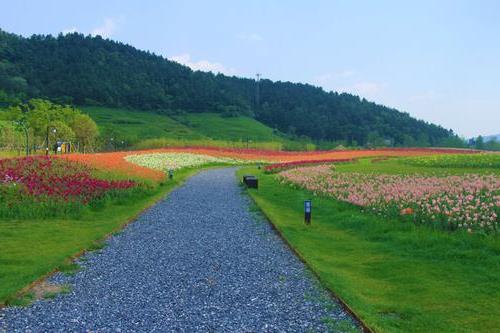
point(257, 91)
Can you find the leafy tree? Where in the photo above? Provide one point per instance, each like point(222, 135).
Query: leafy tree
point(85, 130)
point(453, 142)
point(63, 132)
point(10, 139)
point(409, 141)
point(479, 142)
point(492, 145)
point(45, 120)
point(375, 140)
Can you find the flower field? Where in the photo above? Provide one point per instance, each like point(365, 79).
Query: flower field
point(69, 177)
point(48, 181)
point(470, 202)
point(117, 161)
point(175, 161)
point(272, 156)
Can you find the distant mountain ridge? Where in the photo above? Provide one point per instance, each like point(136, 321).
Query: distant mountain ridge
point(87, 70)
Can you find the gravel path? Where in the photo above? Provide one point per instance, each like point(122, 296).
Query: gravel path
point(198, 261)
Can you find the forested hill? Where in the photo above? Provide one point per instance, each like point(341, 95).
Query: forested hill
point(88, 70)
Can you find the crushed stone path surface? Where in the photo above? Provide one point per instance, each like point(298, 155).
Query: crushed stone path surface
point(198, 261)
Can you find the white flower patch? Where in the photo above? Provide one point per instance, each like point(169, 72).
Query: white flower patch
point(175, 161)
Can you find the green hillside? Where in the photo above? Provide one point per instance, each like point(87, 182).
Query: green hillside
point(116, 75)
point(134, 127)
point(239, 128)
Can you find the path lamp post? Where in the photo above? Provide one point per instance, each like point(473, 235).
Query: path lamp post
point(170, 174)
point(307, 211)
point(54, 130)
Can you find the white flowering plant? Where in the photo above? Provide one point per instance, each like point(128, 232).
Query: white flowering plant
point(175, 161)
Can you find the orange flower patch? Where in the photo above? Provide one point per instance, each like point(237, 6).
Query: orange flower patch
point(115, 161)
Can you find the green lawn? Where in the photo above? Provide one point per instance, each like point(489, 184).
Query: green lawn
point(396, 276)
point(33, 248)
point(399, 166)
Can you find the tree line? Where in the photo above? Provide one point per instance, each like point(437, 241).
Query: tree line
point(86, 70)
point(482, 144)
point(40, 124)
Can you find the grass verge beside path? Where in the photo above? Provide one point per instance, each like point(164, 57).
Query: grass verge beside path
point(31, 249)
point(395, 276)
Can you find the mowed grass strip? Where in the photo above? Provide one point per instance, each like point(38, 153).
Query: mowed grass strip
point(396, 276)
point(400, 165)
point(30, 249)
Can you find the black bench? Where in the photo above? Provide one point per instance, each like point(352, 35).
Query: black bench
point(251, 181)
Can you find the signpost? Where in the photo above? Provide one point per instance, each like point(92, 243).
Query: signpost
point(307, 211)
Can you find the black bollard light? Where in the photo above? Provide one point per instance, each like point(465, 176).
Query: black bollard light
point(307, 211)
point(170, 174)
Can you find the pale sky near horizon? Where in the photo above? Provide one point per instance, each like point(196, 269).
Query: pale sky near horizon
point(437, 60)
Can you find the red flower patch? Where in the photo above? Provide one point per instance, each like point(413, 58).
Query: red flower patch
point(56, 178)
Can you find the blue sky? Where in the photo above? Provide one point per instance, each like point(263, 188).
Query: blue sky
point(437, 60)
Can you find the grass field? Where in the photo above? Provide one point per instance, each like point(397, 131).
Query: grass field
point(34, 248)
point(229, 128)
point(396, 276)
point(139, 127)
point(403, 166)
point(133, 126)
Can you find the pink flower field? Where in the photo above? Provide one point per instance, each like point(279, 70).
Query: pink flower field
point(468, 201)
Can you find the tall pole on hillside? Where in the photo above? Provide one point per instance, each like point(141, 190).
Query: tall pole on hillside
point(257, 91)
